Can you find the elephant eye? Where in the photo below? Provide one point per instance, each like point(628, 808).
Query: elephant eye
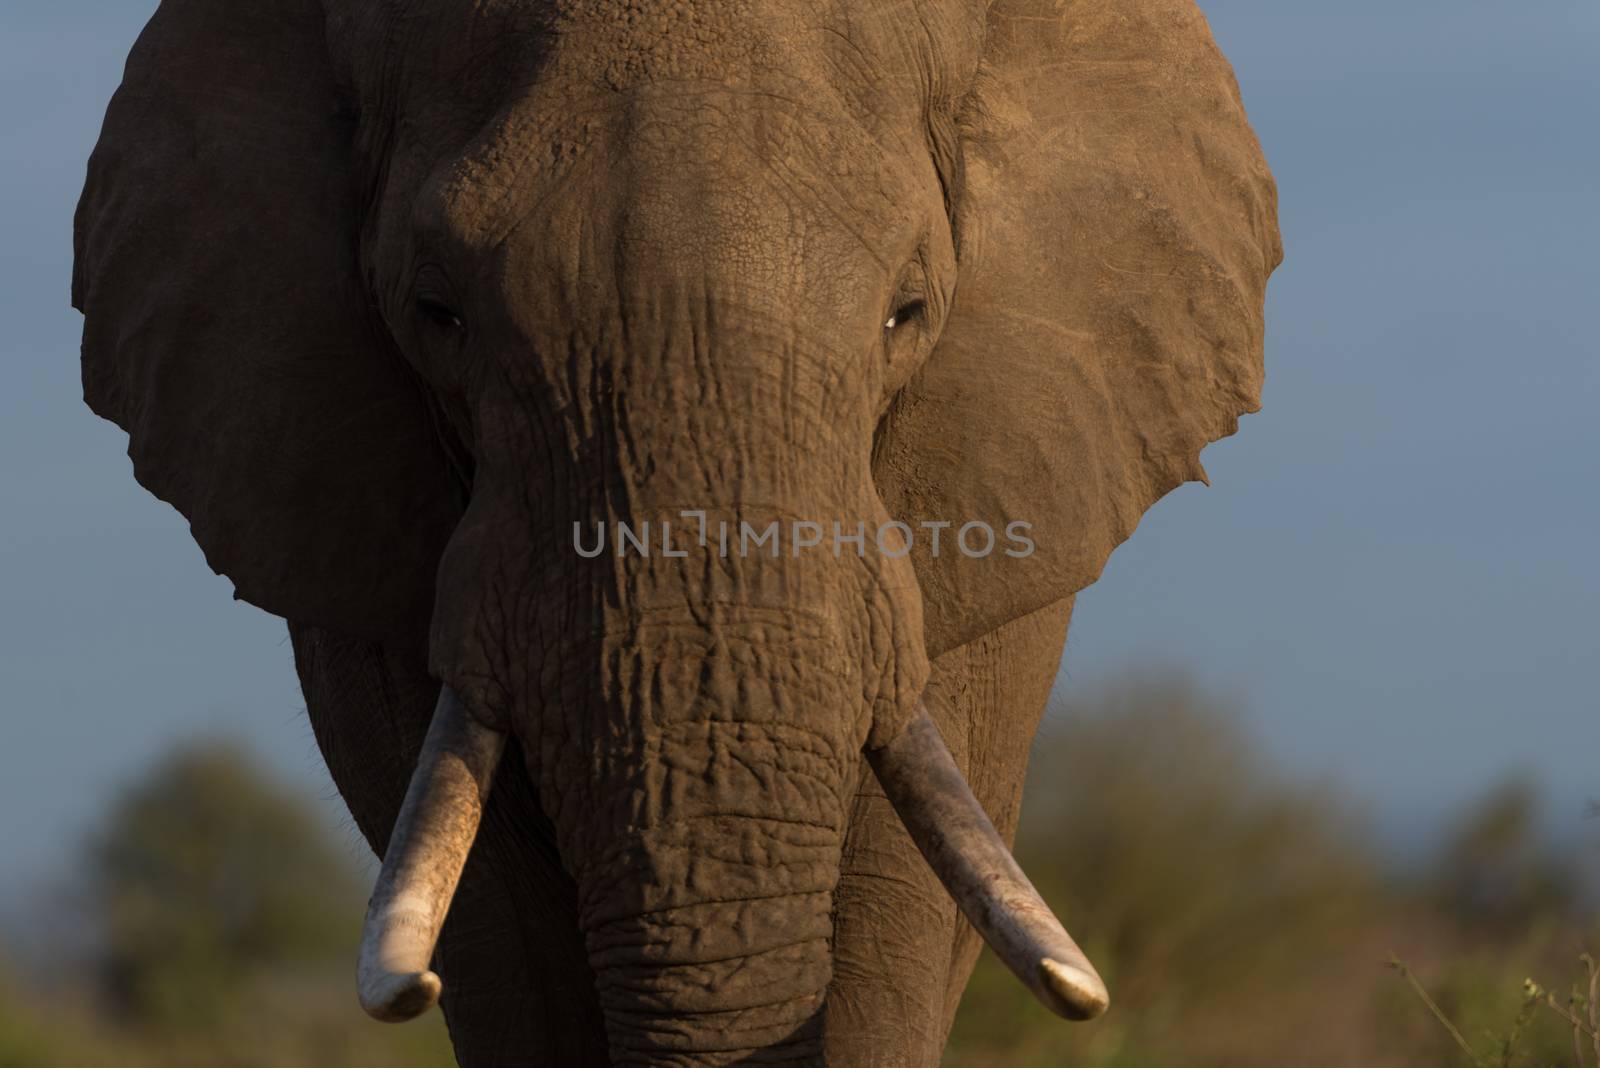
point(439, 313)
point(905, 314)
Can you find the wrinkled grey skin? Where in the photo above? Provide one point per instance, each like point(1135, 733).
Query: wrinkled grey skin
point(390, 297)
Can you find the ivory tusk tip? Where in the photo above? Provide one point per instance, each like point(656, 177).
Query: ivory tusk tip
point(402, 996)
point(1074, 993)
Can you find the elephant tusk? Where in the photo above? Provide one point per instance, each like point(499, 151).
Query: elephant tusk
point(427, 850)
point(966, 852)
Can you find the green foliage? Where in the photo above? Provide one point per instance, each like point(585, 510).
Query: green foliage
point(205, 876)
point(21, 1044)
point(1495, 873)
point(227, 919)
point(1525, 1044)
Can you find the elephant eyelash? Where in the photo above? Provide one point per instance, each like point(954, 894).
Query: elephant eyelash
point(905, 313)
point(439, 313)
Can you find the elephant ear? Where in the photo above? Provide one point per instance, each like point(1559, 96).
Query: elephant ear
point(227, 331)
point(1115, 229)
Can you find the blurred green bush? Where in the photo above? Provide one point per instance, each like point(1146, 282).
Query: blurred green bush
point(1243, 920)
point(220, 917)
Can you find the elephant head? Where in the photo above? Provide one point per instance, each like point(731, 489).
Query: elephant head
point(393, 299)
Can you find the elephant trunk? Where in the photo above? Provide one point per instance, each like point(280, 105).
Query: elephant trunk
point(729, 959)
point(701, 807)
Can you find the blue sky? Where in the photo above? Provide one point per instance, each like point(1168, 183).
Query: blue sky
point(1395, 573)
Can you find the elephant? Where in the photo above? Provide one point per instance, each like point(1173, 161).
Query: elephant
point(463, 334)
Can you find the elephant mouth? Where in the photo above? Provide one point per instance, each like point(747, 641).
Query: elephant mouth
point(451, 783)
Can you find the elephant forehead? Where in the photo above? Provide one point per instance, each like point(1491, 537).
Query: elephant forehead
point(682, 170)
point(627, 43)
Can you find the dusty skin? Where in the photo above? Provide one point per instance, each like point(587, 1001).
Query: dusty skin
point(389, 297)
